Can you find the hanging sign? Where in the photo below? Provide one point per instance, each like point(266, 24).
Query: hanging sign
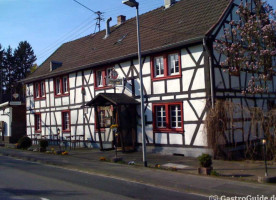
point(15, 95)
point(113, 78)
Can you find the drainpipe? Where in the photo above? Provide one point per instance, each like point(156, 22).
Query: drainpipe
point(210, 69)
point(107, 27)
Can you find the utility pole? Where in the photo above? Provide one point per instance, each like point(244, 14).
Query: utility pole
point(99, 19)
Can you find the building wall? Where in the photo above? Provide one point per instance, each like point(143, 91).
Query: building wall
point(189, 89)
point(6, 117)
point(230, 87)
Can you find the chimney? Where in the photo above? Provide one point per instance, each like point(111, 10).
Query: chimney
point(107, 27)
point(121, 19)
point(169, 3)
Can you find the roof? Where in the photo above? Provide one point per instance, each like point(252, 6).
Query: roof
point(105, 99)
point(185, 22)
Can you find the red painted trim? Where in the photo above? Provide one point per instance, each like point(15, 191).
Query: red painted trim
point(40, 97)
point(166, 65)
point(37, 130)
point(62, 94)
point(168, 117)
point(62, 118)
point(104, 75)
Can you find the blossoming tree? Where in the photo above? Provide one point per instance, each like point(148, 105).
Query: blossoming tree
point(249, 44)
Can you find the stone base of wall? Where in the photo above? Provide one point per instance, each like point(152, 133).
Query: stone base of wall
point(185, 151)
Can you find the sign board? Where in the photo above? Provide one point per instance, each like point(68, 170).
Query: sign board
point(15, 95)
point(113, 78)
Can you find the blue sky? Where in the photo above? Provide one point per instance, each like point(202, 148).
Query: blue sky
point(46, 24)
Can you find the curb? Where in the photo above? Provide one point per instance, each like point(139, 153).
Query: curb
point(176, 187)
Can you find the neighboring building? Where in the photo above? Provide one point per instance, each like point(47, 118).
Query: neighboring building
point(181, 75)
point(12, 121)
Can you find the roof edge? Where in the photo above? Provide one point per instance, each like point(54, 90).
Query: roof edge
point(220, 18)
point(121, 58)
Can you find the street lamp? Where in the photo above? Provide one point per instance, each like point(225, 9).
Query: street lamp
point(133, 3)
point(264, 143)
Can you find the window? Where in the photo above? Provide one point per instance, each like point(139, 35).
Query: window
point(66, 121)
point(61, 86)
point(168, 117)
point(173, 63)
point(37, 122)
point(65, 84)
point(102, 77)
point(158, 66)
point(58, 90)
point(39, 90)
point(166, 66)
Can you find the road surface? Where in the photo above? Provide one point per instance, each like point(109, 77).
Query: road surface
point(27, 180)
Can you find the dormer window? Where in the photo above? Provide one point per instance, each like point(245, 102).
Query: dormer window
point(54, 65)
point(39, 90)
point(61, 86)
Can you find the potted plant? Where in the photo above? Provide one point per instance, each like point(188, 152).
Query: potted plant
point(205, 161)
point(43, 145)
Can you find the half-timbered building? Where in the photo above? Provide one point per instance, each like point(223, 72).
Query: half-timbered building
point(71, 96)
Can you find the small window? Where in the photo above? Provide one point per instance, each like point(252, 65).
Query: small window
point(99, 79)
point(173, 63)
point(66, 121)
point(39, 90)
point(159, 66)
point(175, 116)
point(102, 77)
point(161, 116)
point(65, 84)
point(61, 86)
point(42, 89)
point(37, 122)
point(168, 117)
point(108, 71)
point(58, 91)
point(166, 66)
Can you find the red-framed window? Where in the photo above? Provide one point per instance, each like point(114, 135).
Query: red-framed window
point(37, 122)
point(101, 77)
point(39, 90)
point(61, 86)
point(166, 66)
point(168, 117)
point(66, 124)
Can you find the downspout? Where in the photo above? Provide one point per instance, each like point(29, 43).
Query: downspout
point(210, 70)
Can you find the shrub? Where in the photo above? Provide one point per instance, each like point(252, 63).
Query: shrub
point(24, 143)
point(43, 144)
point(205, 160)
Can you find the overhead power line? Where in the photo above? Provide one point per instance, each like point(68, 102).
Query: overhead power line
point(98, 13)
point(84, 6)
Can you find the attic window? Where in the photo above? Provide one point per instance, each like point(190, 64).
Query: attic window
point(54, 65)
point(121, 39)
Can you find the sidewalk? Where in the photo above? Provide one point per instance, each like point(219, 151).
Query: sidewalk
point(180, 180)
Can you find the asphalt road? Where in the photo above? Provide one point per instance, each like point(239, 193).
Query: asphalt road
point(26, 180)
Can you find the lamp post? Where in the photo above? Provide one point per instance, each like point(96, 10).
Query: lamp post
point(264, 143)
point(133, 3)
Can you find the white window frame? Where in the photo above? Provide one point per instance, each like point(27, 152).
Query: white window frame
point(65, 84)
point(58, 86)
point(66, 121)
point(163, 117)
point(42, 88)
point(99, 79)
point(159, 64)
point(172, 63)
point(177, 116)
point(37, 90)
